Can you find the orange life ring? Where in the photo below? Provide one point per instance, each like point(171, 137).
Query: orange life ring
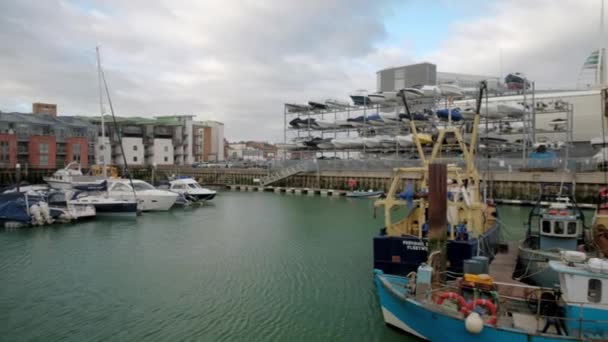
point(488, 304)
point(455, 297)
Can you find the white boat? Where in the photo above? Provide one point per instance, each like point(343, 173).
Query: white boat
point(412, 93)
point(325, 145)
point(63, 178)
point(388, 142)
point(148, 197)
point(69, 211)
point(490, 111)
point(448, 89)
point(344, 143)
point(390, 117)
point(336, 104)
point(383, 97)
point(558, 124)
point(372, 142)
point(297, 108)
point(326, 124)
point(344, 123)
point(512, 110)
point(599, 142)
point(601, 157)
point(190, 189)
point(405, 140)
point(103, 203)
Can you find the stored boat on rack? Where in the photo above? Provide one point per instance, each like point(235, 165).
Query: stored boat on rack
point(401, 246)
point(297, 108)
point(360, 98)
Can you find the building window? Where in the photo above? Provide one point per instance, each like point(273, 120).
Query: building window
point(5, 155)
point(135, 159)
point(594, 293)
point(166, 159)
point(44, 148)
point(166, 148)
point(134, 147)
point(44, 160)
point(76, 151)
point(101, 147)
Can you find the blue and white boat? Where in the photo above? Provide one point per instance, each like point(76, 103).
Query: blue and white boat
point(473, 229)
point(445, 114)
point(483, 310)
point(559, 226)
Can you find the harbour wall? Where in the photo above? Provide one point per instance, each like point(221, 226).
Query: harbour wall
point(516, 185)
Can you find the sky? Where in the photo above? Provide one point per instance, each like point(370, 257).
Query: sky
point(239, 61)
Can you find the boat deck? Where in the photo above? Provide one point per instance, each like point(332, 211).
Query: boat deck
point(503, 265)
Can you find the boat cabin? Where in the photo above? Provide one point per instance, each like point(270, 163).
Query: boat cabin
point(559, 228)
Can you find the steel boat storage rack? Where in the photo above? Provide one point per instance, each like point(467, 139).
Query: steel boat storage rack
point(402, 245)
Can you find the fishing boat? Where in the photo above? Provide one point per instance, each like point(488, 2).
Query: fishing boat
point(190, 188)
point(148, 197)
point(477, 308)
point(551, 229)
point(401, 246)
point(365, 194)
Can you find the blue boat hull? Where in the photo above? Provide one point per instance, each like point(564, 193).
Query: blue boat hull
point(400, 255)
point(412, 317)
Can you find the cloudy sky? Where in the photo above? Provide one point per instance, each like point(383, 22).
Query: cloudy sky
point(238, 61)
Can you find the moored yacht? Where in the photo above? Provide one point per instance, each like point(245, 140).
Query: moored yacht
point(191, 189)
point(148, 197)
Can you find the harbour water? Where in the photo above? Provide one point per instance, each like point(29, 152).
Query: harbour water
point(249, 267)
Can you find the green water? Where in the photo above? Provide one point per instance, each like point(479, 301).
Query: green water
point(249, 267)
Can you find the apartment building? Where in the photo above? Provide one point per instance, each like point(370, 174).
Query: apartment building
point(45, 140)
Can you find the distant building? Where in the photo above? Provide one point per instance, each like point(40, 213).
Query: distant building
point(164, 140)
point(45, 141)
point(44, 108)
point(396, 78)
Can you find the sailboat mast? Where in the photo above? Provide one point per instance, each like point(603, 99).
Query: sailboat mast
point(101, 111)
point(601, 67)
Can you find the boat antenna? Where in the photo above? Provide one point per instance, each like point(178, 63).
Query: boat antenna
point(122, 151)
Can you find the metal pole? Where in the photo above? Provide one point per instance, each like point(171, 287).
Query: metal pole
point(18, 175)
point(101, 112)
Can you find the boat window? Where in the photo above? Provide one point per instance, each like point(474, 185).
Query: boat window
point(594, 293)
point(193, 186)
point(178, 186)
point(547, 227)
point(120, 187)
point(559, 227)
point(142, 186)
point(572, 228)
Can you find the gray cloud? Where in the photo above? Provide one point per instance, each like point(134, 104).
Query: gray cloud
point(239, 61)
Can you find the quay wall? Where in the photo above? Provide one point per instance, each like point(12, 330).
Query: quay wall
point(515, 185)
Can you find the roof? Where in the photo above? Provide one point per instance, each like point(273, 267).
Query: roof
point(43, 119)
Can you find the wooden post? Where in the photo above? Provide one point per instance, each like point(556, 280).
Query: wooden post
point(437, 216)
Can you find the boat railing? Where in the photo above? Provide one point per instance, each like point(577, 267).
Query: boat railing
point(528, 300)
